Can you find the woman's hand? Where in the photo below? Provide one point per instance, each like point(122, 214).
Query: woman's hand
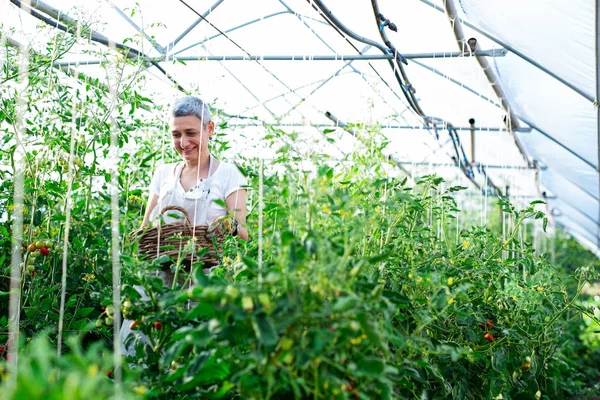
point(222, 226)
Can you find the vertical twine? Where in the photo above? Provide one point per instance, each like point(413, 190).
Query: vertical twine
point(260, 219)
point(63, 281)
point(17, 226)
point(115, 234)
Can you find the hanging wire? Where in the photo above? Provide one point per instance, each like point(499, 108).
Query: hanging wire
point(260, 219)
point(68, 206)
point(115, 221)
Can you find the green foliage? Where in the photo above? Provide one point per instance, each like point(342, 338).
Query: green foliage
point(364, 285)
point(77, 375)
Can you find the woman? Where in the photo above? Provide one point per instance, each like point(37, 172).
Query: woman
point(199, 180)
point(194, 184)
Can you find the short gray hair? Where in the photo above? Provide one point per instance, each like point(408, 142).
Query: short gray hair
point(191, 105)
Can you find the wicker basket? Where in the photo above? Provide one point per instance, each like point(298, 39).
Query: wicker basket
point(171, 239)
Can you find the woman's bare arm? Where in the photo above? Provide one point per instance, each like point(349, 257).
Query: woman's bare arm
point(152, 202)
point(236, 206)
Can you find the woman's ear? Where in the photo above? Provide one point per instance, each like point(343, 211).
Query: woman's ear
point(210, 129)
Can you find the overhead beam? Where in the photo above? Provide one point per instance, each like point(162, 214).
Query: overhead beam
point(230, 30)
point(149, 38)
point(517, 53)
point(384, 126)
point(308, 57)
point(192, 26)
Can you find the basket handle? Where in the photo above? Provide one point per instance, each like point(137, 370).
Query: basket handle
point(181, 210)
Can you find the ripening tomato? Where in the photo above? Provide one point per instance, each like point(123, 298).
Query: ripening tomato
point(490, 324)
point(489, 337)
point(134, 325)
point(32, 247)
point(157, 325)
point(39, 244)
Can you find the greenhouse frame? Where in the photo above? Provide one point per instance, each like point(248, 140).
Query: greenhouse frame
point(497, 99)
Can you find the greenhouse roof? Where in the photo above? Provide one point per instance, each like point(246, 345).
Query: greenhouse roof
point(310, 65)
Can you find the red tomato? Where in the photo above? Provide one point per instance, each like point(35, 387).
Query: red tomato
point(489, 337)
point(490, 324)
point(157, 325)
point(44, 251)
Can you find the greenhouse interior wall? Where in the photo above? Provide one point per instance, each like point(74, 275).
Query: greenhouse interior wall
point(299, 199)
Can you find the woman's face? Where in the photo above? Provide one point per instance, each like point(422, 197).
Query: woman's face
point(190, 137)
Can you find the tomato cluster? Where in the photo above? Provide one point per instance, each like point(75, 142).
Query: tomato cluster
point(32, 252)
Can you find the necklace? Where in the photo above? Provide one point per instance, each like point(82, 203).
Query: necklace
point(201, 180)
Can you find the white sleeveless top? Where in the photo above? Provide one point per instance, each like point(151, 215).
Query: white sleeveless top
point(199, 201)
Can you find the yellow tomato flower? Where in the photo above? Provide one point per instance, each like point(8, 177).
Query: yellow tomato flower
point(10, 207)
point(539, 288)
point(140, 390)
point(450, 301)
point(410, 276)
point(465, 244)
point(450, 281)
point(92, 370)
point(419, 280)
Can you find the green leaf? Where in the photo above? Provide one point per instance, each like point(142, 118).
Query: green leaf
point(344, 304)
point(84, 312)
point(265, 330)
point(499, 360)
point(370, 366)
point(211, 371)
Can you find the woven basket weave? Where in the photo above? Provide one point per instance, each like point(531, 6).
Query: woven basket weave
point(171, 239)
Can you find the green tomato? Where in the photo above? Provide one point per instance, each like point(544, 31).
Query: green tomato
point(35, 254)
point(110, 310)
point(30, 268)
point(30, 261)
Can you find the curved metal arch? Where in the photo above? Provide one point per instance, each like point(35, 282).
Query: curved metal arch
point(518, 53)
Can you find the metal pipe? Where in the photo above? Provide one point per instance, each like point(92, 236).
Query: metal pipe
point(405, 127)
point(517, 53)
point(472, 129)
point(94, 36)
point(230, 30)
point(409, 89)
point(342, 29)
point(149, 38)
point(192, 26)
point(471, 46)
point(308, 57)
point(339, 123)
point(525, 120)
